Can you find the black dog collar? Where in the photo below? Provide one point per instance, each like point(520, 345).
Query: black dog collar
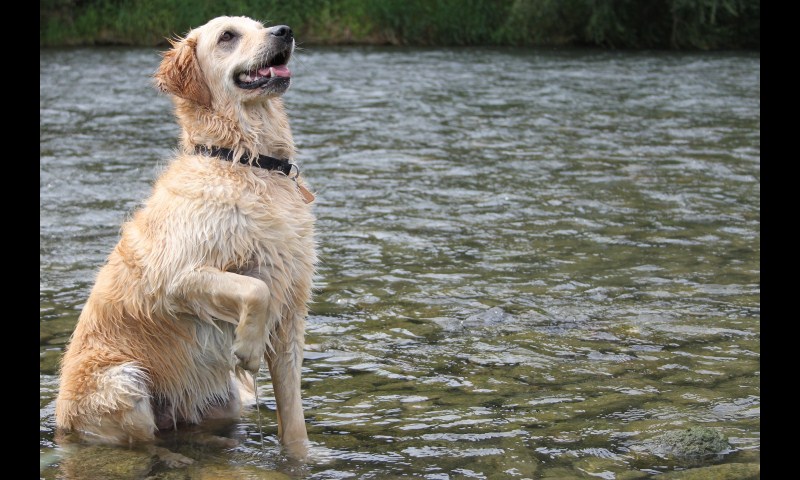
point(262, 161)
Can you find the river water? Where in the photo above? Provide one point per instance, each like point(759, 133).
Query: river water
point(534, 263)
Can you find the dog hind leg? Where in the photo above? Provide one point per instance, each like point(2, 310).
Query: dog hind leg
point(116, 409)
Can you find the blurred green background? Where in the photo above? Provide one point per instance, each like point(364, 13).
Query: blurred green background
point(623, 24)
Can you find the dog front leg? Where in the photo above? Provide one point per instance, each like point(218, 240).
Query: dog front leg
point(285, 366)
point(212, 293)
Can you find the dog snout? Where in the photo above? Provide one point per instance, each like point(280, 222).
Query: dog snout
point(283, 32)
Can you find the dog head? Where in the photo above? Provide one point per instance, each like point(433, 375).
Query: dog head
point(228, 59)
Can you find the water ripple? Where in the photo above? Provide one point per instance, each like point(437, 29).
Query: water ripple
point(523, 274)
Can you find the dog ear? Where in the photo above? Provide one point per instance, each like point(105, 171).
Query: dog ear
point(180, 74)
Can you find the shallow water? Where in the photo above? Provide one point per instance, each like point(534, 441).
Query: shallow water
point(534, 263)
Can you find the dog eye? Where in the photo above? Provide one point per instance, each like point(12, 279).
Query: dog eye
point(226, 37)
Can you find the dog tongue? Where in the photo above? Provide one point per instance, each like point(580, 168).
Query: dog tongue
point(277, 71)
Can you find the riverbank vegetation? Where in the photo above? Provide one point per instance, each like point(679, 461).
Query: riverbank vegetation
point(629, 24)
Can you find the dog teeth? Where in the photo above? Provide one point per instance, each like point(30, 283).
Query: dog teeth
point(253, 75)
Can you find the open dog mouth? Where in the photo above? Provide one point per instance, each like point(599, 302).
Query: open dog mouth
point(274, 68)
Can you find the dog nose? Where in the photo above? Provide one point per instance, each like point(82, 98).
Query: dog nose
point(281, 31)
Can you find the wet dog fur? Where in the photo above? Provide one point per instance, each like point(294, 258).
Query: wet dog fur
point(214, 271)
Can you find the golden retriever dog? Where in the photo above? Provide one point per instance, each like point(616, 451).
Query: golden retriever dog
point(214, 271)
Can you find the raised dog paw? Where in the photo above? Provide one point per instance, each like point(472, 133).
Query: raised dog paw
point(249, 354)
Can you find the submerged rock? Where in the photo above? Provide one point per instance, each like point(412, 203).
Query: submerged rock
point(692, 442)
point(219, 472)
point(728, 471)
point(239, 472)
point(106, 462)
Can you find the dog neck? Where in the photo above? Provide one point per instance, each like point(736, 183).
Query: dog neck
point(250, 130)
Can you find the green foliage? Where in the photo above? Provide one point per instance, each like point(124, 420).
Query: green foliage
point(448, 22)
point(689, 24)
point(692, 24)
point(708, 23)
point(547, 22)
